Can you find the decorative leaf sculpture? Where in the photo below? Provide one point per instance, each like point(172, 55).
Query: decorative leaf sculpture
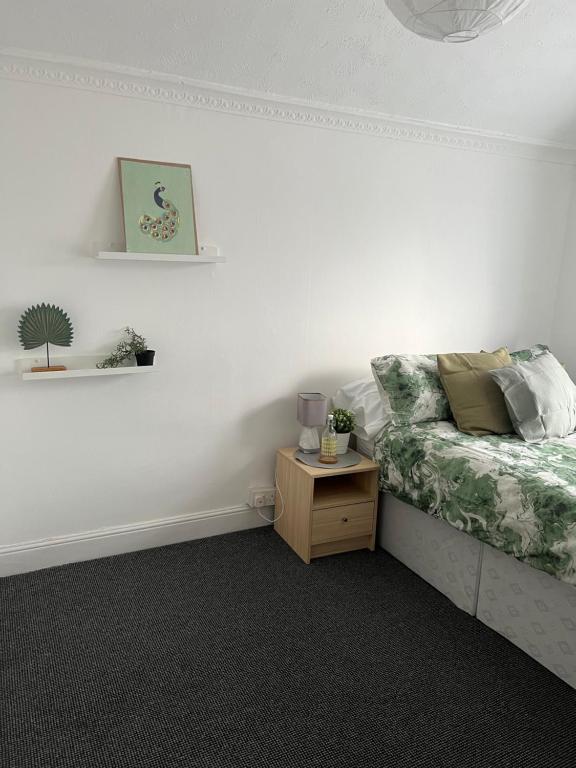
point(45, 324)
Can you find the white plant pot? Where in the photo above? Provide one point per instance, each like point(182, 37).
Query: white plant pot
point(342, 440)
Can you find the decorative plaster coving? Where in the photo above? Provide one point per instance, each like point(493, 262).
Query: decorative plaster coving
point(171, 89)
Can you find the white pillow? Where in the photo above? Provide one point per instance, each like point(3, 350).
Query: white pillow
point(540, 397)
point(363, 399)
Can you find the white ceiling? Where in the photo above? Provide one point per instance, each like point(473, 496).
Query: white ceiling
point(519, 80)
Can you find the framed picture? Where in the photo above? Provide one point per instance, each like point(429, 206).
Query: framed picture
point(158, 207)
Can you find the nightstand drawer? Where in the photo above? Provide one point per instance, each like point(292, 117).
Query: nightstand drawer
point(343, 522)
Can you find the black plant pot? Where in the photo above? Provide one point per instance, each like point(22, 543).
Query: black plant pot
point(145, 358)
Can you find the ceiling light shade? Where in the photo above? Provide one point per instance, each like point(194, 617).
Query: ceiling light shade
point(454, 21)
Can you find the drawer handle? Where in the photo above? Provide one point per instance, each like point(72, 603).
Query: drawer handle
point(344, 519)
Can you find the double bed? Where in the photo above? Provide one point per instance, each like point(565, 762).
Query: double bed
point(491, 523)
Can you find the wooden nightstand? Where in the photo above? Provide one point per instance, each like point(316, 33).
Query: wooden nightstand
point(325, 510)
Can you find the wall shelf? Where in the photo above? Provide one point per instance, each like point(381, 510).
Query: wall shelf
point(78, 373)
point(77, 368)
point(209, 254)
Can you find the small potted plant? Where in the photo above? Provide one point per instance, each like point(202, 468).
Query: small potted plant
point(344, 423)
point(133, 345)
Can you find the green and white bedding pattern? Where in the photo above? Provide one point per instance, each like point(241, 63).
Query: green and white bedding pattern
point(518, 497)
point(411, 389)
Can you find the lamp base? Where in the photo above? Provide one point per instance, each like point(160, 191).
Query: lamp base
point(309, 441)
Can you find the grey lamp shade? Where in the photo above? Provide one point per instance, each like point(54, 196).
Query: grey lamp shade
point(312, 409)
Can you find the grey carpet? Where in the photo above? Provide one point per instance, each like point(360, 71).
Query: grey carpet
point(230, 653)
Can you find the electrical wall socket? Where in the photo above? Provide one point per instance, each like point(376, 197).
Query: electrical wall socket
point(262, 497)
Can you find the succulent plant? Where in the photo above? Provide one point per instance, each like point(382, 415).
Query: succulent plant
point(344, 421)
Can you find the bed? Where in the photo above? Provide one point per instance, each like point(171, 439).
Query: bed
point(491, 523)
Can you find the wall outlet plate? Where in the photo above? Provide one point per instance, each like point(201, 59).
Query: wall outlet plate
point(262, 497)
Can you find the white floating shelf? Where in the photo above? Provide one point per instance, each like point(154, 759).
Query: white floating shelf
point(209, 254)
point(77, 368)
point(78, 373)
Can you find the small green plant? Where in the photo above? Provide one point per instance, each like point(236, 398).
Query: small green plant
point(344, 421)
point(133, 344)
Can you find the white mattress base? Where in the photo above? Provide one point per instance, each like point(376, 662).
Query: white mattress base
point(533, 610)
point(441, 555)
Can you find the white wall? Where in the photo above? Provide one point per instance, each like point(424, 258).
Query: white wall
point(340, 247)
point(564, 327)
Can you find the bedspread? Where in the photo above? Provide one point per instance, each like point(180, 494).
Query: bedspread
point(518, 497)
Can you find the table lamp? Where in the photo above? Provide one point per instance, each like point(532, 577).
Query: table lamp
point(312, 413)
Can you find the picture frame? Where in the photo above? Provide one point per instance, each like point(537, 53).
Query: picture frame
point(157, 207)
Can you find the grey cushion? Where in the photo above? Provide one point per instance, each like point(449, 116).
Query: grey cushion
point(540, 397)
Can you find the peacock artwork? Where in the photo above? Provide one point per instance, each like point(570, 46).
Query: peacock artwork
point(165, 226)
point(158, 207)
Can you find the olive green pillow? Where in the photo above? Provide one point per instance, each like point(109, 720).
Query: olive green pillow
point(476, 400)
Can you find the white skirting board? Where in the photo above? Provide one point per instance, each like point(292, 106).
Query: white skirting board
point(88, 545)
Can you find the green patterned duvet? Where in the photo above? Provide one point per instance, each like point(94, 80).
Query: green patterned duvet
point(518, 497)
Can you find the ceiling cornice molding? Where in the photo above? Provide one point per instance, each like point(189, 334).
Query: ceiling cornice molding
point(171, 89)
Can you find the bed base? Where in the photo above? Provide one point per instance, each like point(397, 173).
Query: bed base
point(531, 609)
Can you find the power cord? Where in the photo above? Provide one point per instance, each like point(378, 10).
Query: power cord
point(274, 519)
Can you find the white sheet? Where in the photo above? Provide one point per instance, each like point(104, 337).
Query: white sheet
point(363, 399)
